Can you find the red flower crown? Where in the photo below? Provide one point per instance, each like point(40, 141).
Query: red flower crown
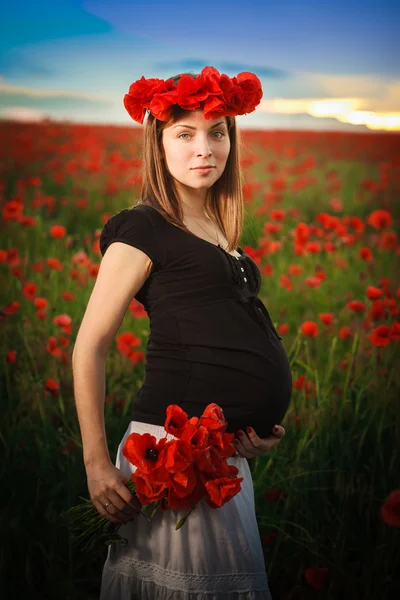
point(217, 94)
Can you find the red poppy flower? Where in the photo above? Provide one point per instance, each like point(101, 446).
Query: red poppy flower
point(380, 219)
point(380, 336)
point(356, 305)
point(326, 318)
point(223, 489)
point(373, 292)
point(316, 577)
point(213, 418)
point(140, 95)
point(309, 328)
point(365, 253)
point(390, 510)
point(144, 451)
point(176, 420)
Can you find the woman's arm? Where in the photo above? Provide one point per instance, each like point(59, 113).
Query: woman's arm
point(89, 390)
point(123, 271)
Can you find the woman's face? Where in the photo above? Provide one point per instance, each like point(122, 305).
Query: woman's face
point(194, 141)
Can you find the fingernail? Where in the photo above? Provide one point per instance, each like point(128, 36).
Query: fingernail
point(240, 433)
point(249, 430)
point(276, 428)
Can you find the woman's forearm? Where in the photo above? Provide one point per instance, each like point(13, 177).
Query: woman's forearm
point(88, 369)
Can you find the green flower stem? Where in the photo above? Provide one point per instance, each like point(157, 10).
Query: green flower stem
point(92, 529)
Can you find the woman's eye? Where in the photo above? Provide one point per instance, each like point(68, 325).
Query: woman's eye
point(220, 132)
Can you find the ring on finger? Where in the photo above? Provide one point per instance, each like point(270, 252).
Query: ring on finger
point(107, 504)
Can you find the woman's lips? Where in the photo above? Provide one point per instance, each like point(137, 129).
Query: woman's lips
point(203, 168)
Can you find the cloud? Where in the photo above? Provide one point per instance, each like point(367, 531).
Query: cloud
point(373, 93)
point(345, 110)
point(24, 103)
point(22, 113)
point(358, 100)
point(302, 121)
point(9, 89)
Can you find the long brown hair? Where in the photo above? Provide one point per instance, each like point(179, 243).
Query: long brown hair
point(224, 200)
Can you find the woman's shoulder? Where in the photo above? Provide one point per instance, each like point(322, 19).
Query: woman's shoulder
point(151, 212)
point(135, 226)
point(123, 219)
point(146, 208)
point(139, 214)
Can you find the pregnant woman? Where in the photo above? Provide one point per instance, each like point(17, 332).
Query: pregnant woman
point(211, 340)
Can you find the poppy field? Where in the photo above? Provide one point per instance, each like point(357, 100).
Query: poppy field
point(322, 223)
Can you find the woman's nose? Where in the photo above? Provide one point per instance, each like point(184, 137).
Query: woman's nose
point(204, 147)
point(205, 150)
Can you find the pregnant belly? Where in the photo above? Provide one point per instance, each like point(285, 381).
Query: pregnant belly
point(230, 357)
point(247, 399)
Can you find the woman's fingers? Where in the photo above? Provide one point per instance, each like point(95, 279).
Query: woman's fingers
point(106, 487)
point(272, 440)
point(119, 508)
point(99, 505)
point(250, 444)
point(131, 499)
point(245, 447)
point(279, 432)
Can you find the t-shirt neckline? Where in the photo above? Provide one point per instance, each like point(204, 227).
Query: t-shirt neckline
point(238, 248)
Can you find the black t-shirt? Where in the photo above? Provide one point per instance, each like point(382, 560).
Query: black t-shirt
point(211, 338)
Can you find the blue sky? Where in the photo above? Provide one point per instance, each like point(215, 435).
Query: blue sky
point(322, 66)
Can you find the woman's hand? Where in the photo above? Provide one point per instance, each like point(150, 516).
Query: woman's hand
point(106, 485)
point(251, 445)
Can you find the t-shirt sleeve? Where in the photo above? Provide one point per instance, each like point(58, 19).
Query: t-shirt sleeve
point(132, 227)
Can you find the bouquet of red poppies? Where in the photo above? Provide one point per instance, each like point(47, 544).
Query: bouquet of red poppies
point(170, 473)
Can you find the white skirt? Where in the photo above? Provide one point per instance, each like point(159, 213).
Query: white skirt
point(216, 555)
